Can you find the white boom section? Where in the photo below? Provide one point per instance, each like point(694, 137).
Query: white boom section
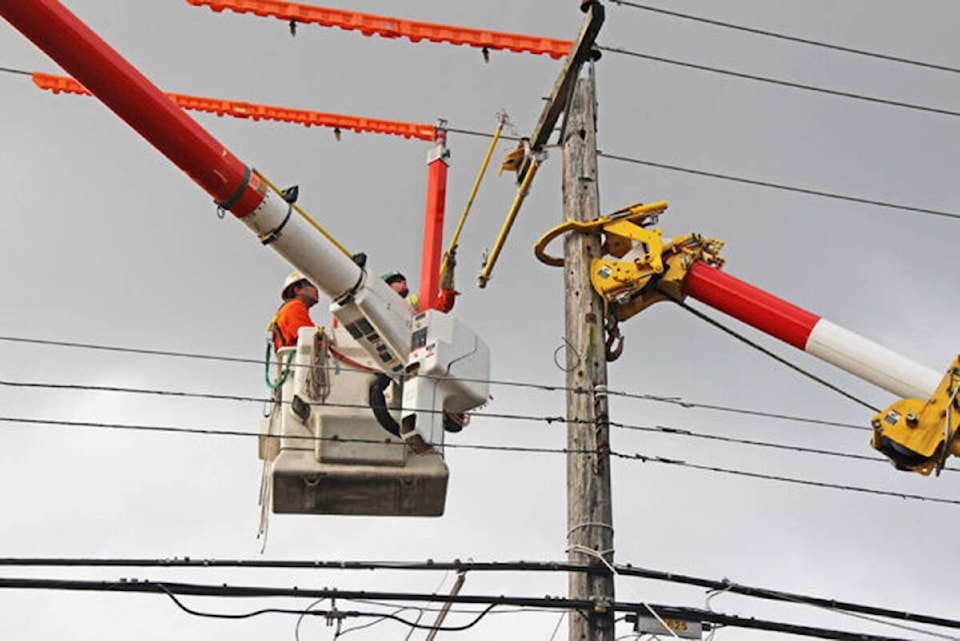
point(874, 363)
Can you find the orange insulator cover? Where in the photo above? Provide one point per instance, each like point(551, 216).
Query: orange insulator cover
point(240, 109)
point(369, 24)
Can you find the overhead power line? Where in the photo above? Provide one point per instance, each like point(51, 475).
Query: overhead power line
point(782, 36)
point(752, 181)
point(761, 183)
point(773, 185)
point(546, 387)
point(622, 569)
point(636, 457)
point(657, 429)
point(783, 83)
point(19, 72)
point(173, 589)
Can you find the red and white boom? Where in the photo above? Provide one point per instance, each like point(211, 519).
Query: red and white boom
point(639, 269)
point(819, 337)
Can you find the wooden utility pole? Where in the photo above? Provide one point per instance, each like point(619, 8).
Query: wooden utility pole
point(589, 504)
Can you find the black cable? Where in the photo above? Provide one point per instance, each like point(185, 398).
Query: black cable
point(329, 614)
point(771, 185)
point(506, 383)
point(547, 603)
point(623, 569)
point(783, 479)
point(131, 350)
point(735, 410)
point(618, 393)
point(781, 36)
point(660, 429)
point(15, 71)
point(776, 357)
point(663, 429)
point(496, 448)
point(783, 83)
point(481, 134)
point(762, 183)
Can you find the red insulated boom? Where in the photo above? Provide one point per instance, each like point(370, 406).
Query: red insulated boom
point(750, 304)
point(139, 103)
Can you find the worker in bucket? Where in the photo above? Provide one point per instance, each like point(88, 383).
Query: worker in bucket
point(452, 421)
point(448, 295)
point(298, 295)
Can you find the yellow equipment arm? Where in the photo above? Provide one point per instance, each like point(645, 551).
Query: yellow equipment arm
point(640, 258)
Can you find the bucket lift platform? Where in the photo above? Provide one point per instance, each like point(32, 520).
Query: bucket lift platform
point(324, 448)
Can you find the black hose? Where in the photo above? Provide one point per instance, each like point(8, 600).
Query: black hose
point(379, 405)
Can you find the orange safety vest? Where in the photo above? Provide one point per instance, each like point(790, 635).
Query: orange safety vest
point(291, 316)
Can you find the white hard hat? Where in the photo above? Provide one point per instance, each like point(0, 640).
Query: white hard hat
point(292, 279)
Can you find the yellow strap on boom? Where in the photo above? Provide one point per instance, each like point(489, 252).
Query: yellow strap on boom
point(305, 216)
point(473, 193)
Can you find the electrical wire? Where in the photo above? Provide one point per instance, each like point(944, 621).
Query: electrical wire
point(332, 614)
point(782, 83)
point(663, 429)
point(131, 350)
point(481, 134)
point(172, 590)
point(506, 383)
point(19, 72)
point(636, 457)
point(760, 183)
point(776, 357)
point(296, 627)
point(659, 428)
point(669, 400)
point(782, 36)
point(772, 185)
point(623, 569)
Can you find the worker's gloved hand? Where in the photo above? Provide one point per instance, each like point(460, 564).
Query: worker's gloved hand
point(450, 258)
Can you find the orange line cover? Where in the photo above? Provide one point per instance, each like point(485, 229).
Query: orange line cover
point(387, 27)
point(239, 109)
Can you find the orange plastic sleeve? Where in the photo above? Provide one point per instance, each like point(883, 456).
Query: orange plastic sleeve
point(240, 109)
point(388, 27)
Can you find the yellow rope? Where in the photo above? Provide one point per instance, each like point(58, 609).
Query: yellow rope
point(305, 216)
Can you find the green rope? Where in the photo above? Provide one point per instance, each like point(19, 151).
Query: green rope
point(266, 366)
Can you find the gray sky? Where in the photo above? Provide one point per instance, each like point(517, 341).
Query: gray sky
point(108, 243)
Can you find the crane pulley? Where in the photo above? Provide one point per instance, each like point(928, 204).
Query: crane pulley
point(917, 433)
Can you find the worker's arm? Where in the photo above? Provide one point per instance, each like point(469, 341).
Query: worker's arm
point(448, 294)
